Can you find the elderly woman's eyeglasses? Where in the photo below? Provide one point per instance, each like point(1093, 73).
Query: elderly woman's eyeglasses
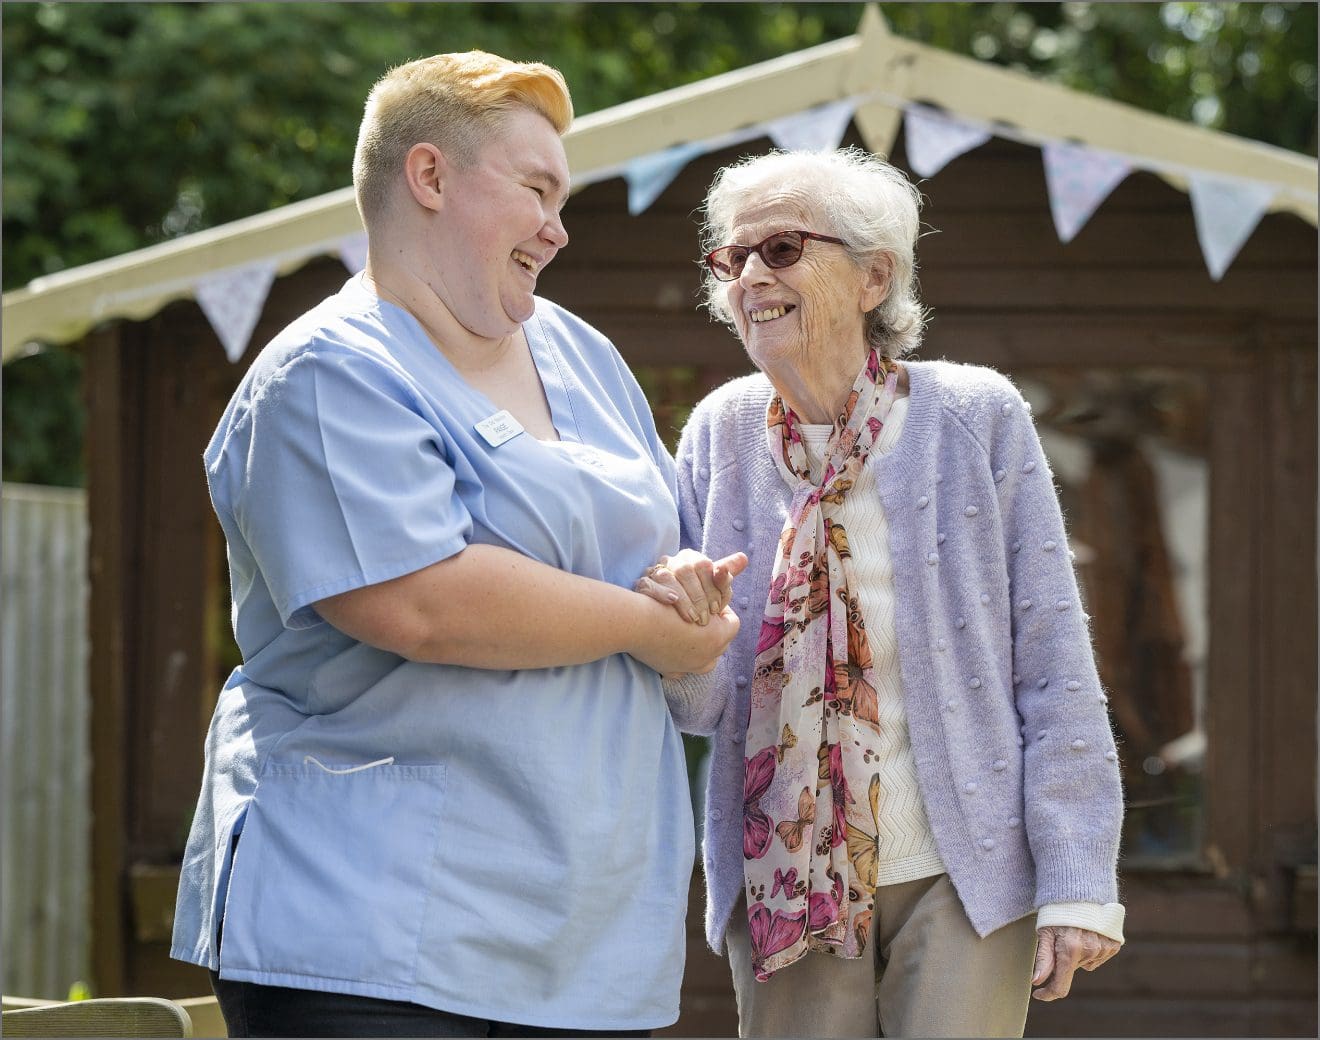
point(782, 249)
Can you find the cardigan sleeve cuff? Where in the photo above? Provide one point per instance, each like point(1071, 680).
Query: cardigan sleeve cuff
point(1107, 919)
point(689, 700)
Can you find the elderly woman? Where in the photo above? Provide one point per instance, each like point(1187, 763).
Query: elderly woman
point(912, 755)
point(444, 795)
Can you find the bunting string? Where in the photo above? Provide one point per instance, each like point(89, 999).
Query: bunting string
point(1078, 178)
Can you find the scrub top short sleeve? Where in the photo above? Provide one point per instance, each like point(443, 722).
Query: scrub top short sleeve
point(491, 842)
point(344, 482)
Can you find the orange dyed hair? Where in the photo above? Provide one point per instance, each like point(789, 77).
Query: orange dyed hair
point(454, 101)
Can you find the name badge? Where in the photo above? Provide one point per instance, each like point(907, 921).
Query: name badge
point(498, 428)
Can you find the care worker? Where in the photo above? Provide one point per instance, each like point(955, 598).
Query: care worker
point(443, 792)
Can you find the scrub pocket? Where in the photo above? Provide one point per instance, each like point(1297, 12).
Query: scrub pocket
point(333, 874)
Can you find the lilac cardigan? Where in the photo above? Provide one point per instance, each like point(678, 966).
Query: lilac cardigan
point(1010, 733)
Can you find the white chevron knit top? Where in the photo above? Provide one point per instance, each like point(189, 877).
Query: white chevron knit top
point(907, 846)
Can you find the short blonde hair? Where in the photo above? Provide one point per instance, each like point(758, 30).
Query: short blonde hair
point(454, 101)
point(862, 199)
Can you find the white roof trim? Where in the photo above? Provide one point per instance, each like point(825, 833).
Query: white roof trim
point(884, 69)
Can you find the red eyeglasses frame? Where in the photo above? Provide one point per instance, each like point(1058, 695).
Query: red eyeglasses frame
point(724, 272)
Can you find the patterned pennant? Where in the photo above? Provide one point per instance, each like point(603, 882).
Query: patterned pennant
point(817, 129)
point(232, 300)
point(353, 252)
point(650, 175)
point(1227, 210)
point(1079, 179)
point(932, 139)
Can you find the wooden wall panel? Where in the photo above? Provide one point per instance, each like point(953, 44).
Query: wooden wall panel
point(1233, 665)
point(1287, 718)
point(1080, 1015)
point(162, 766)
point(154, 393)
point(1193, 908)
point(113, 404)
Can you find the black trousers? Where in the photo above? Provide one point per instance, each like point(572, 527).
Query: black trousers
point(251, 1009)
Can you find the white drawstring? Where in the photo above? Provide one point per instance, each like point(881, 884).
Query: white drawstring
point(351, 769)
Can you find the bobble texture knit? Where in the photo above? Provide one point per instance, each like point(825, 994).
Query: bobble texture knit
point(1009, 729)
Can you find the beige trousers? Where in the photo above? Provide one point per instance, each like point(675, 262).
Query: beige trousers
point(925, 973)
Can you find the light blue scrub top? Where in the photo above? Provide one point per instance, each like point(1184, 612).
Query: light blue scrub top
point(525, 853)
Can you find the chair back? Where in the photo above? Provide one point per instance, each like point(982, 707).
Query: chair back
point(108, 1016)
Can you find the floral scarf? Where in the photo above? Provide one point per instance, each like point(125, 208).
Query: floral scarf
point(809, 847)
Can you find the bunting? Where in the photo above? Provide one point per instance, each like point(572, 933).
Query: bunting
point(818, 129)
point(232, 300)
point(932, 139)
point(649, 175)
point(1078, 179)
point(1227, 210)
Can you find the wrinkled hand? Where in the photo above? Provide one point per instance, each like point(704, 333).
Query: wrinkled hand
point(695, 586)
point(1060, 951)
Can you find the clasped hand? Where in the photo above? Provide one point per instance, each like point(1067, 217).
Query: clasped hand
point(692, 584)
point(699, 590)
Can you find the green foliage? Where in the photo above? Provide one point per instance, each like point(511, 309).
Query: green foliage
point(1247, 69)
point(128, 124)
point(43, 419)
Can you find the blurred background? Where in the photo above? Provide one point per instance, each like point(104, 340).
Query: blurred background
point(1178, 412)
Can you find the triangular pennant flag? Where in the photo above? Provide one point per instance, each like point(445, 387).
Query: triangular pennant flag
point(650, 175)
point(817, 129)
point(232, 300)
point(353, 251)
point(1079, 179)
point(931, 139)
point(1227, 210)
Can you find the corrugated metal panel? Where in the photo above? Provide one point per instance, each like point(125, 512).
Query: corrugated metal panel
point(45, 762)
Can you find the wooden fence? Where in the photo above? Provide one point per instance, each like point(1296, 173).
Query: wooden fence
point(45, 757)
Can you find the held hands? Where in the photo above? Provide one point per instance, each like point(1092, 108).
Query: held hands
point(691, 637)
point(1060, 951)
point(696, 587)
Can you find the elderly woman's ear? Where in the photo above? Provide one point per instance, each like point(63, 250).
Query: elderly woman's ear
point(879, 277)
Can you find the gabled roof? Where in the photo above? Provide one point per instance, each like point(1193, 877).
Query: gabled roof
point(882, 70)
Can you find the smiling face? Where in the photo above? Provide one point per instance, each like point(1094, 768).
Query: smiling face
point(807, 317)
point(500, 225)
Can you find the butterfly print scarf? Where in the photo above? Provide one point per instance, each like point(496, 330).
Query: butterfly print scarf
point(809, 841)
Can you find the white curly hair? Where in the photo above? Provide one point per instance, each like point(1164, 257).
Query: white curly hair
point(862, 199)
